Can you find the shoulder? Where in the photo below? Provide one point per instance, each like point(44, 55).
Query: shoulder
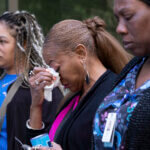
point(1, 71)
point(141, 114)
point(130, 65)
point(127, 68)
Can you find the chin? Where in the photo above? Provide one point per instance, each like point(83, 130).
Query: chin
point(137, 52)
point(74, 90)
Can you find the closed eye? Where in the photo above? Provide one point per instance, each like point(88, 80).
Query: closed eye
point(3, 41)
point(128, 17)
point(58, 69)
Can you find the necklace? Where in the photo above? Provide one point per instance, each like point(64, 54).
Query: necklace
point(5, 82)
point(4, 85)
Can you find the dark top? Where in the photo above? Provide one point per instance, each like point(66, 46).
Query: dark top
point(122, 101)
point(76, 131)
point(18, 113)
point(138, 132)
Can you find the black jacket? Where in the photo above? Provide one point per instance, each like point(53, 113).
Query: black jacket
point(18, 113)
point(77, 132)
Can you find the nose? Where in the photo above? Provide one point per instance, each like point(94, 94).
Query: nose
point(56, 67)
point(121, 28)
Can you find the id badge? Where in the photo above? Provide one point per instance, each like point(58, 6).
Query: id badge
point(108, 136)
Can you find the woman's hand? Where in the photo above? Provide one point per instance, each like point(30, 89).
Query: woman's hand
point(54, 147)
point(39, 79)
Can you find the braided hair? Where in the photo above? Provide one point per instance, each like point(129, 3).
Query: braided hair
point(29, 40)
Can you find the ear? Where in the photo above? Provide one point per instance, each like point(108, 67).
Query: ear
point(81, 51)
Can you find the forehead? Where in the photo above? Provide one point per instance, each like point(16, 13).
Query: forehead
point(51, 51)
point(5, 29)
point(121, 5)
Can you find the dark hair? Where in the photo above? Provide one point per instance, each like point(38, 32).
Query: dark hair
point(146, 2)
point(68, 34)
point(29, 39)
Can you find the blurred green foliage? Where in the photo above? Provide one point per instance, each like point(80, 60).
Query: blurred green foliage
point(3, 6)
point(49, 12)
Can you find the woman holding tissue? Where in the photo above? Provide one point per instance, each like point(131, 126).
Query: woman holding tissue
point(21, 41)
point(84, 54)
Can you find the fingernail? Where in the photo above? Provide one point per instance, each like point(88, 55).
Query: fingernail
point(54, 78)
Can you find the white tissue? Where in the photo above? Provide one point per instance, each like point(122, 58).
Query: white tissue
point(48, 89)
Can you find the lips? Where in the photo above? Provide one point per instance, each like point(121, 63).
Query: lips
point(128, 44)
point(66, 86)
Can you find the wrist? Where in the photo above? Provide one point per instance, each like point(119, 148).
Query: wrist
point(35, 107)
point(29, 126)
point(36, 117)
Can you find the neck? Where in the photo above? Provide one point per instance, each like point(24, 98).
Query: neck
point(96, 70)
point(148, 61)
point(10, 70)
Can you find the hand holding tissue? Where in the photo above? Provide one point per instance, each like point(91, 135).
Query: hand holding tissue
point(48, 89)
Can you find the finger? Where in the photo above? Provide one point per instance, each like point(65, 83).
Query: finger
point(45, 80)
point(40, 78)
point(43, 148)
point(38, 69)
point(56, 146)
point(31, 73)
point(43, 84)
point(42, 74)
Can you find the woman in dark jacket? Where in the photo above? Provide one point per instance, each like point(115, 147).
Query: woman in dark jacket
point(129, 100)
point(84, 54)
point(21, 41)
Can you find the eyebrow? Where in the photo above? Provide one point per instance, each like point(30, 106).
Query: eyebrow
point(50, 62)
point(123, 10)
point(3, 37)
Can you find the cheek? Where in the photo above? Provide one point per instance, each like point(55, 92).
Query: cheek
point(134, 32)
point(141, 35)
point(140, 27)
point(45, 57)
point(72, 73)
point(65, 73)
point(10, 54)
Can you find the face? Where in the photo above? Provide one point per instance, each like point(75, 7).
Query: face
point(133, 25)
point(69, 67)
point(7, 47)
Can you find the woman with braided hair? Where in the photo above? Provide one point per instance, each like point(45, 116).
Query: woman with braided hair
point(88, 60)
point(21, 42)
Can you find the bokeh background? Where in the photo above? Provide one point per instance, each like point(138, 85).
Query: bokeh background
point(49, 12)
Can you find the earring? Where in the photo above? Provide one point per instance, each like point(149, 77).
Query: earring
point(87, 78)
